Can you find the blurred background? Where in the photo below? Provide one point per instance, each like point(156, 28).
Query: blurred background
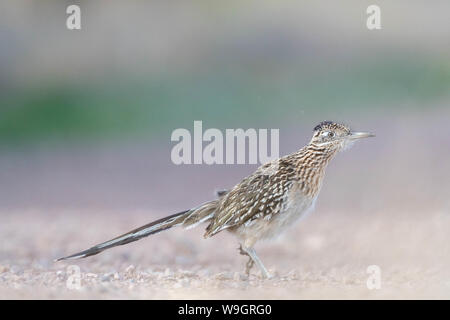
point(86, 117)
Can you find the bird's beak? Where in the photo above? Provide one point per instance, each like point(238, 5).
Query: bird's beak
point(360, 135)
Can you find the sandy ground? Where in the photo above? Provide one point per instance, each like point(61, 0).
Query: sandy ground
point(324, 257)
point(384, 203)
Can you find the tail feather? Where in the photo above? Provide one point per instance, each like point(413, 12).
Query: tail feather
point(188, 218)
point(200, 214)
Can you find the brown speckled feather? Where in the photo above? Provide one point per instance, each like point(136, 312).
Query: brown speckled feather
point(262, 204)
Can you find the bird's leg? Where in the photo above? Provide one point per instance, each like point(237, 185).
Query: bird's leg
point(252, 254)
point(250, 261)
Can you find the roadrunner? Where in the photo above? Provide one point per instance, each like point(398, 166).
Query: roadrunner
point(263, 204)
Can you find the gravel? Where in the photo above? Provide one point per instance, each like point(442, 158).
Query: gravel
point(323, 257)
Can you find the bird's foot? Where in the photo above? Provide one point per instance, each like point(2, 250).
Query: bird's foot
point(248, 266)
point(250, 263)
point(242, 251)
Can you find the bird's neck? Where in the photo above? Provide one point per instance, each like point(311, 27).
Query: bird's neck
point(311, 162)
point(321, 154)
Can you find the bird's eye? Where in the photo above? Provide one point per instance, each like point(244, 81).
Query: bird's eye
point(331, 134)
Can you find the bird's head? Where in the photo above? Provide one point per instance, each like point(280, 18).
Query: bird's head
point(336, 136)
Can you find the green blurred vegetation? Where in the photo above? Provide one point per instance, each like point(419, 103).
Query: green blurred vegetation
point(250, 96)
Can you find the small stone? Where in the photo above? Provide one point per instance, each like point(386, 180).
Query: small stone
point(107, 277)
point(91, 275)
point(292, 275)
point(130, 269)
point(167, 272)
point(274, 275)
point(3, 269)
point(239, 276)
point(224, 276)
point(16, 270)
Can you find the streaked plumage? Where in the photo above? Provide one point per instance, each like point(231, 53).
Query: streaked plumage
point(263, 204)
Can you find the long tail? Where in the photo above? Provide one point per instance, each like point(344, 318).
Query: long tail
point(188, 219)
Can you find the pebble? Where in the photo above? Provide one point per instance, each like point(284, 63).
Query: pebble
point(292, 275)
point(91, 275)
point(275, 274)
point(130, 269)
point(167, 272)
point(186, 273)
point(107, 277)
point(224, 276)
point(239, 276)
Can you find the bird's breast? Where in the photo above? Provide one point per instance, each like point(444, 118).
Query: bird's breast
point(297, 206)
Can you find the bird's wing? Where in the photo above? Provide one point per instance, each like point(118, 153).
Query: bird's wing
point(258, 196)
